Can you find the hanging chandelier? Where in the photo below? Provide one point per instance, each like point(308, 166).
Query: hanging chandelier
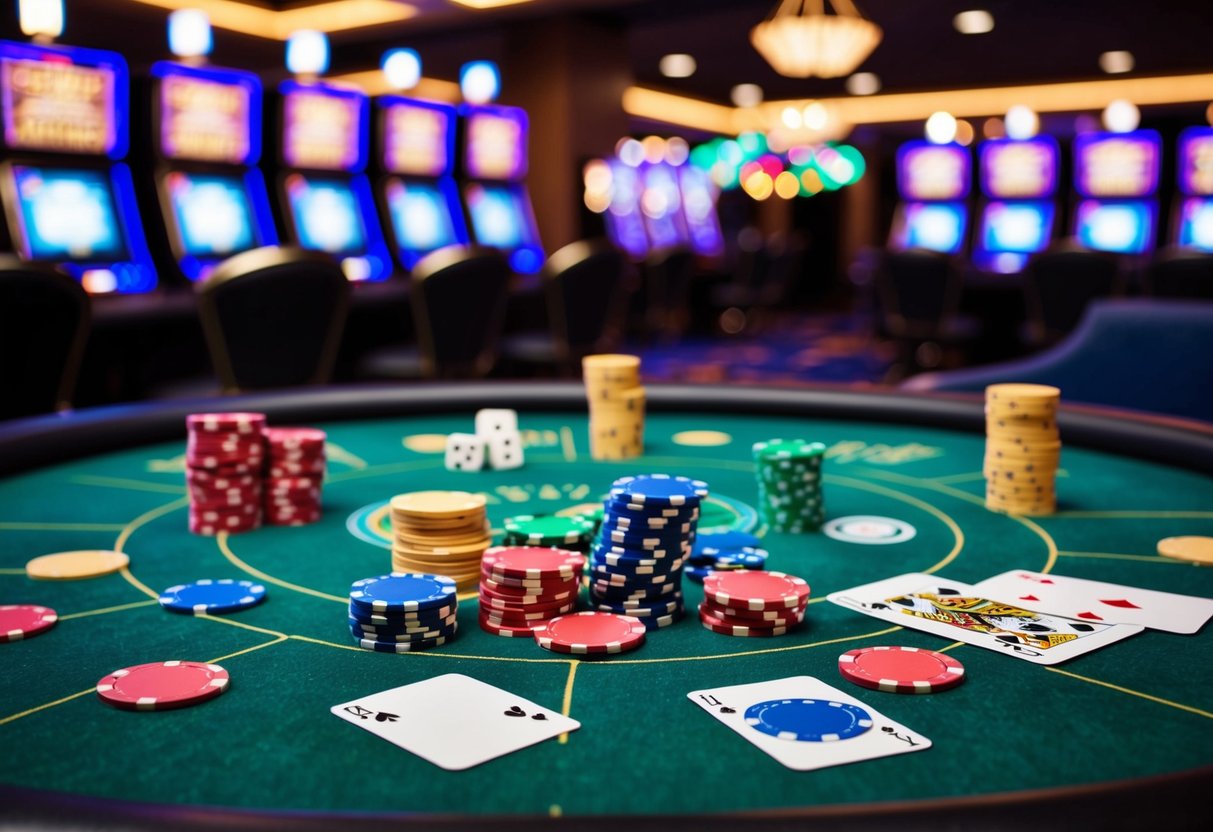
point(800, 39)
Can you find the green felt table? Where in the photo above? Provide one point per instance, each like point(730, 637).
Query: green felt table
point(1136, 715)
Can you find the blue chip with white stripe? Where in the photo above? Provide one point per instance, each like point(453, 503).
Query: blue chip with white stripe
point(808, 720)
point(212, 597)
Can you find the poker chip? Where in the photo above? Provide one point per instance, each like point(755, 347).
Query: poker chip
point(549, 530)
point(590, 632)
point(403, 612)
point(730, 539)
point(1023, 448)
point(1190, 548)
point(869, 530)
point(660, 622)
point(532, 562)
point(404, 620)
point(901, 669)
point(441, 532)
point(295, 475)
point(211, 597)
point(17, 621)
point(616, 404)
point(224, 457)
point(523, 586)
point(742, 557)
point(159, 686)
point(808, 720)
point(76, 565)
point(788, 473)
point(402, 592)
point(643, 608)
point(752, 629)
point(402, 646)
point(755, 590)
point(508, 630)
point(661, 490)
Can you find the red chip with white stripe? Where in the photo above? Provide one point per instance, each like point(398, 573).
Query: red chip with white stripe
point(901, 669)
point(20, 620)
point(584, 633)
point(755, 590)
point(158, 686)
point(533, 562)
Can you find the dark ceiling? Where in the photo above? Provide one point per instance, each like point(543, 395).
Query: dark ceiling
point(1033, 40)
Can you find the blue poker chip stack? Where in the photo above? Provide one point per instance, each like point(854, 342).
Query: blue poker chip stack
point(717, 551)
point(648, 529)
point(403, 612)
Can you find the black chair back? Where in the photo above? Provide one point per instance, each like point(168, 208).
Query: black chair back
point(273, 317)
point(44, 323)
point(668, 273)
point(1181, 273)
point(458, 299)
point(919, 292)
point(1059, 284)
point(582, 283)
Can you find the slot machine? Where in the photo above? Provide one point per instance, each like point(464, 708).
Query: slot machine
point(1192, 214)
point(1115, 178)
point(933, 181)
point(1018, 180)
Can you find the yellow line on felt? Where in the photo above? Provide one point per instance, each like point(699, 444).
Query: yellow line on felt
point(125, 572)
point(566, 704)
point(1112, 556)
point(432, 655)
point(250, 627)
point(147, 517)
point(106, 610)
point(221, 540)
point(19, 526)
point(247, 650)
point(1132, 692)
point(1137, 515)
point(884, 632)
point(568, 446)
point(36, 709)
point(951, 646)
point(130, 485)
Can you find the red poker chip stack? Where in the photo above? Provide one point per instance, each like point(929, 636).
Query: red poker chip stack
point(294, 475)
point(753, 603)
point(523, 587)
point(224, 455)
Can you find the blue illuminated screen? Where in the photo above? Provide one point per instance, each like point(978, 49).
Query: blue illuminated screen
point(1118, 227)
point(1023, 227)
point(498, 216)
point(326, 215)
point(420, 216)
point(1196, 224)
point(213, 213)
point(935, 226)
point(69, 215)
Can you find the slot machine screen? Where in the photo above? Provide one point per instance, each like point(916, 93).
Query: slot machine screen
point(1019, 169)
point(1195, 168)
point(1117, 165)
point(927, 172)
point(418, 137)
point(1118, 227)
point(1021, 227)
point(214, 217)
point(699, 207)
point(323, 127)
point(934, 226)
point(421, 216)
point(495, 146)
point(498, 216)
point(1196, 224)
point(624, 222)
point(68, 215)
point(325, 214)
point(208, 114)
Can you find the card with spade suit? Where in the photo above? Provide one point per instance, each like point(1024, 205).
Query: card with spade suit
point(1096, 601)
point(959, 611)
point(806, 724)
point(454, 721)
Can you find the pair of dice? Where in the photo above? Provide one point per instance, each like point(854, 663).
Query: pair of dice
point(496, 437)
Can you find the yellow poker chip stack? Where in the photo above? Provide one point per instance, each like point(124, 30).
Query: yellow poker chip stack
point(440, 532)
point(616, 399)
point(1023, 447)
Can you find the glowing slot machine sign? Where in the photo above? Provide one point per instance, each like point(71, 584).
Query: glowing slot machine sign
point(83, 217)
point(1195, 173)
point(1117, 175)
point(933, 180)
point(1019, 178)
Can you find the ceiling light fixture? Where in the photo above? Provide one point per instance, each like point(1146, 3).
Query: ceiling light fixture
point(863, 83)
point(801, 40)
point(746, 95)
point(1117, 62)
point(974, 22)
point(677, 65)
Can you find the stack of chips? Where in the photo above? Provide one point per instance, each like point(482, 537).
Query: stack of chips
point(523, 587)
point(724, 551)
point(616, 400)
point(444, 532)
point(295, 475)
point(759, 603)
point(573, 531)
point(790, 495)
point(1023, 447)
point(403, 612)
point(648, 529)
point(223, 460)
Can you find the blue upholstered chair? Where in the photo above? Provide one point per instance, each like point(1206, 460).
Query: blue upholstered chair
point(1150, 355)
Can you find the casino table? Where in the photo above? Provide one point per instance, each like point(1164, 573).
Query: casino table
point(1115, 736)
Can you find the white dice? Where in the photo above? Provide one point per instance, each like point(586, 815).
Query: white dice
point(490, 422)
point(505, 450)
point(464, 452)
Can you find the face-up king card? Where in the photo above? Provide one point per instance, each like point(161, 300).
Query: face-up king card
point(805, 724)
point(1096, 601)
point(958, 611)
point(454, 721)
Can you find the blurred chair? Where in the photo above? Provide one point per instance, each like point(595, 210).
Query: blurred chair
point(1152, 355)
point(581, 283)
point(44, 324)
point(919, 301)
point(458, 299)
point(273, 317)
point(762, 283)
point(1059, 283)
point(1181, 273)
point(667, 275)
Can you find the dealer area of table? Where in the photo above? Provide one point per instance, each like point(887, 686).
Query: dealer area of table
point(1112, 737)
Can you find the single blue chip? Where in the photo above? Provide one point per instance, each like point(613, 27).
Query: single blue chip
point(808, 720)
point(731, 539)
point(402, 591)
point(659, 490)
point(212, 597)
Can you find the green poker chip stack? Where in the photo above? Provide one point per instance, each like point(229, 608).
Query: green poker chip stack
point(790, 497)
point(564, 532)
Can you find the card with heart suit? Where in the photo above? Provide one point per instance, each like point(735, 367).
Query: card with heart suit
point(1097, 601)
point(958, 611)
point(806, 724)
point(454, 721)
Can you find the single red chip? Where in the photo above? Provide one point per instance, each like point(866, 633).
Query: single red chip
point(755, 590)
point(20, 620)
point(901, 669)
point(533, 562)
point(159, 686)
point(591, 632)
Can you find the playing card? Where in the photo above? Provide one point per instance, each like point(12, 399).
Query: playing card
point(1097, 601)
point(958, 611)
point(454, 721)
point(805, 724)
